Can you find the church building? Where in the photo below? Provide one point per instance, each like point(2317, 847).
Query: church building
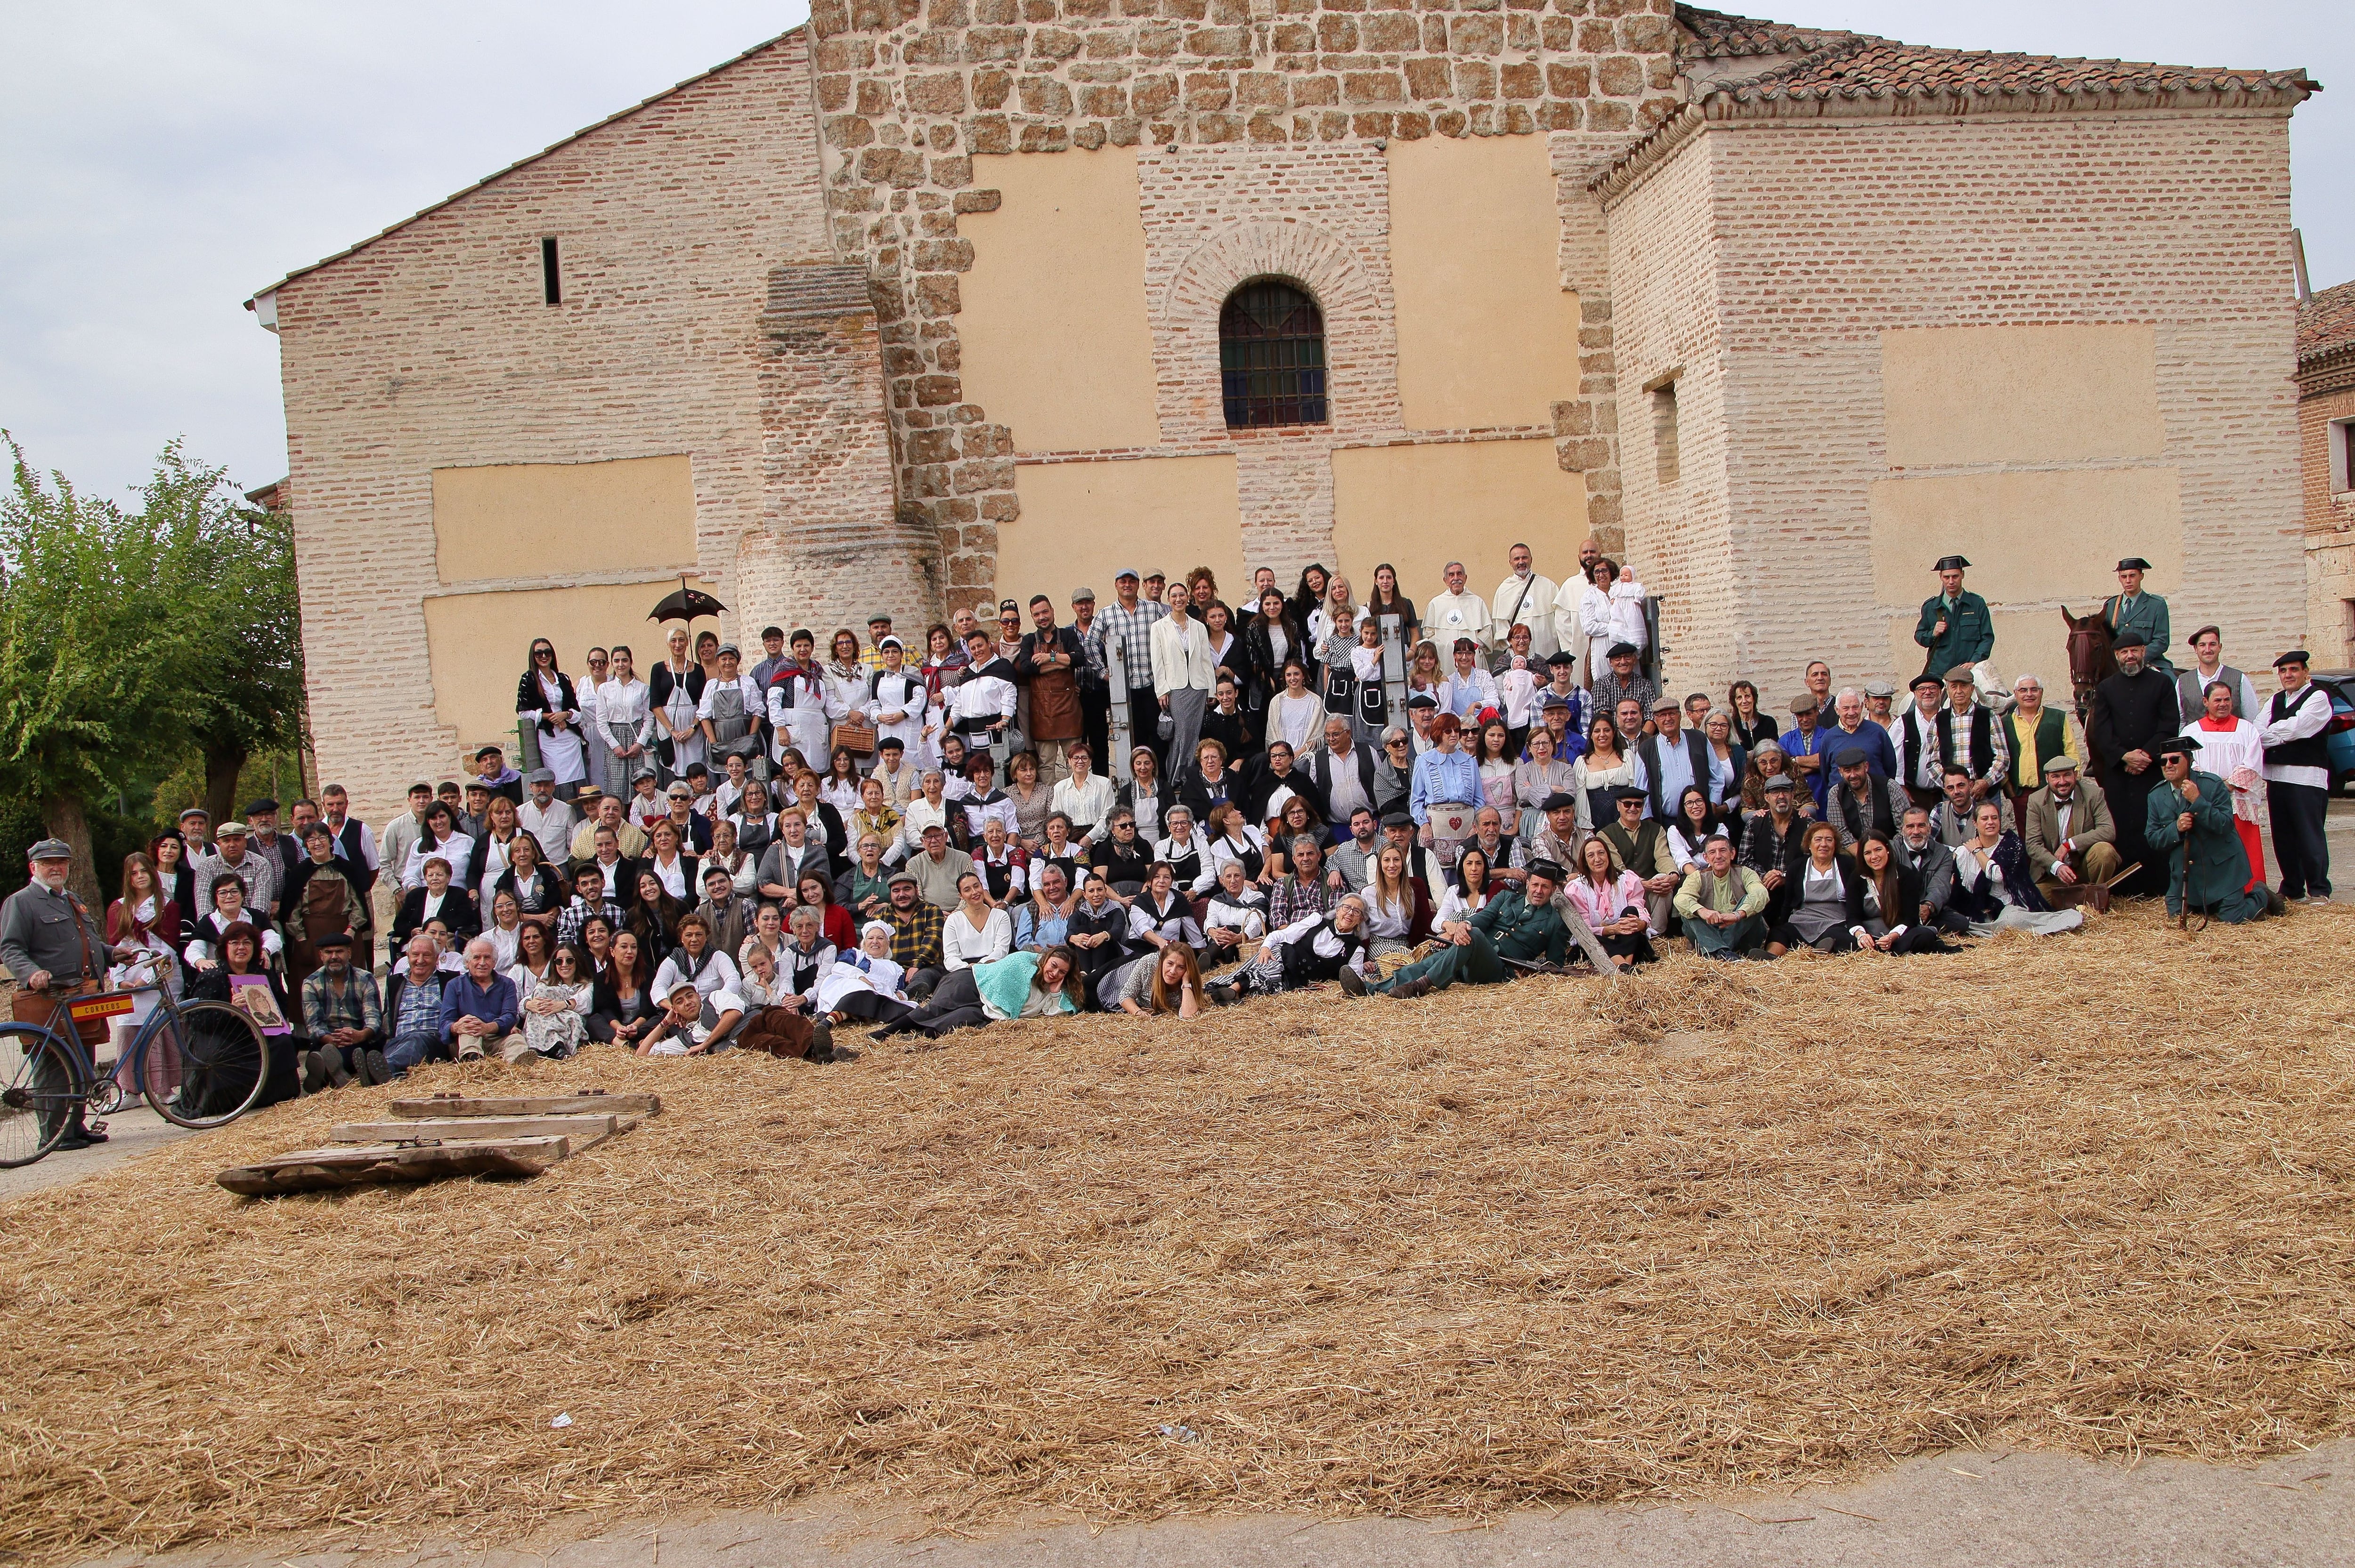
point(932, 302)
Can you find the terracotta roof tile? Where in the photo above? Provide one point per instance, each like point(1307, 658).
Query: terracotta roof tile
point(2326, 321)
point(1718, 35)
point(1858, 65)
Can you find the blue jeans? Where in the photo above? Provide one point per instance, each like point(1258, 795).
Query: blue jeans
point(1708, 938)
point(407, 1050)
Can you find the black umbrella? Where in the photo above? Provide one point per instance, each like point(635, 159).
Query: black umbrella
point(685, 605)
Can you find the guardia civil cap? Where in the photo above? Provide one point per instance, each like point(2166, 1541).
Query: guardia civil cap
point(1951, 564)
point(2133, 564)
point(1546, 869)
point(2129, 637)
point(2182, 744)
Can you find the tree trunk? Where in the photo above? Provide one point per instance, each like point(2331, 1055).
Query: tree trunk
point(65, 819)
point(223, 763)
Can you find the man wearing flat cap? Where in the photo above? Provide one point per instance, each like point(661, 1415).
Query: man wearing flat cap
point(1621, 681)
point(2294, 728)
point(2071, 836)
point(2187, 821)
point(1523, 924)
point(55, 947)
point(1955, 627)
point(2131, 608)
point(2132, 711)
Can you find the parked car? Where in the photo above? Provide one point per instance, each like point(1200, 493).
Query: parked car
point(2340, 685)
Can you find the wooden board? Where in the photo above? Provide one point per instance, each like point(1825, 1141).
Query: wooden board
point(546, 1105)
point(582, 1130)
point(311, 1169)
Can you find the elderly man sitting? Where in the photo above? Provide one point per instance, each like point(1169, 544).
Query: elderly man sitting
point(1722, 905)
point(479, 1006)
point(2072, 839)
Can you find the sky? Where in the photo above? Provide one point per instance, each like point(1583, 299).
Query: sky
point(166, 160)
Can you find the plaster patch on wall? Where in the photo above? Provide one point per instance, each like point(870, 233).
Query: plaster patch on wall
point(2011, 525)
point(1486, 333)
point(1065, 246)
point(499, 520)
point(1962, 395)
point(1420, 507)
point(1083, 521)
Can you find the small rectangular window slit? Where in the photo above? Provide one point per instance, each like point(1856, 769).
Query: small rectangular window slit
point(1664, 433)
point(551, 281)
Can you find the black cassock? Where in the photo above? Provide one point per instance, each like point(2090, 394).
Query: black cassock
point(2133, 712)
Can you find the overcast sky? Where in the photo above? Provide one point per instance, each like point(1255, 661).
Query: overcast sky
point(166, 160)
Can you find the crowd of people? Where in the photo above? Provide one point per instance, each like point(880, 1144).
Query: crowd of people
point(1387, 796)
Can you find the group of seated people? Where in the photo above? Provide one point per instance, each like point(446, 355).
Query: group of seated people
point(759, 884)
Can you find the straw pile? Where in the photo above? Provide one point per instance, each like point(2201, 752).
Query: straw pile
point(1724, 1225)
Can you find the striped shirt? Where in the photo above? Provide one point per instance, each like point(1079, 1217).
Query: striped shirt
point(1131, 631)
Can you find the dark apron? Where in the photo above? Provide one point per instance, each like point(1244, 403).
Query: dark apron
point(732, 725)
point(1055, 706)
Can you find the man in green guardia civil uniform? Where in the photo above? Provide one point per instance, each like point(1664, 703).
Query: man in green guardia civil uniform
point(2194, 809)
point(1956, 625)
point(1521, 923)
point(2145, 612)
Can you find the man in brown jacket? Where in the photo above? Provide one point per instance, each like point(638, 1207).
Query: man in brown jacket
point(2072, 837)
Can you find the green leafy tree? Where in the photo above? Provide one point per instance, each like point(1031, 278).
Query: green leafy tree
point(83, 671)
point(128, 641)
point(235, 621)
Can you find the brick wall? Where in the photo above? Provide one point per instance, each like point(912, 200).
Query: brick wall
point(1297, 90)
point(1828, 234)
point(432, 347)
point(2329, 395)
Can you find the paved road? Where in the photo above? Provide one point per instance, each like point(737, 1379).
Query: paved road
point(1966, 1510)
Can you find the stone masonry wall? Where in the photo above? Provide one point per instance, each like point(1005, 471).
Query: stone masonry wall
point(907, 91)
point(431, 346)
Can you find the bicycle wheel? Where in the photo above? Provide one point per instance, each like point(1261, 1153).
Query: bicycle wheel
point(41, 1081)
point(203, 1067)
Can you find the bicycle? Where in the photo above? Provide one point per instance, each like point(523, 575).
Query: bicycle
point(198, 1065)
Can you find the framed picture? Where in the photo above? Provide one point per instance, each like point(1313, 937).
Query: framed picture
point(252, 994)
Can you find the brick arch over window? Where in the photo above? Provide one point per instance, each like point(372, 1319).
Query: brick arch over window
point(1360, 350)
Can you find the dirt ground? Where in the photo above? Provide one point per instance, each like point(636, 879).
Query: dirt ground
point(1955, 1510)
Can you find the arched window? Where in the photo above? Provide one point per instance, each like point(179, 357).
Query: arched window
point(1271, 355)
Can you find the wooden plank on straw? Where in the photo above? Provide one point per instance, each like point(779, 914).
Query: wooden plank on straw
point(583, 1130)
point(546, 1105)
point(309, 1170)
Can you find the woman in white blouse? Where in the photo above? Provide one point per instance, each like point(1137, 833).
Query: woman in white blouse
point(977, 930)
point(927, 810)
point(845, 678)
point(506, 925)
point(1390, 904)
point(1468, 894)
point(1297, 714)
point(1606, 767)
point(682, 680)
point(627, 724)
point(675, 870)
point(743, 869)
point(1086, 796)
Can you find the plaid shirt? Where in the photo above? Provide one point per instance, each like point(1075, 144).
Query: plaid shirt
point(1289, 900)
point(1131, 631)
point(915, 936)
point(568, 924)
point(359, 1007)
point(1607, 692)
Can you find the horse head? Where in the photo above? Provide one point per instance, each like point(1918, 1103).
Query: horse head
point(2091, 659)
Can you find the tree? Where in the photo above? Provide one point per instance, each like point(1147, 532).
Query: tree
point(127, 639)
point(83, 658)
point(235, 612)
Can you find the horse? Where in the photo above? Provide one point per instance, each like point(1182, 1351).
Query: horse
point(2092, 659)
